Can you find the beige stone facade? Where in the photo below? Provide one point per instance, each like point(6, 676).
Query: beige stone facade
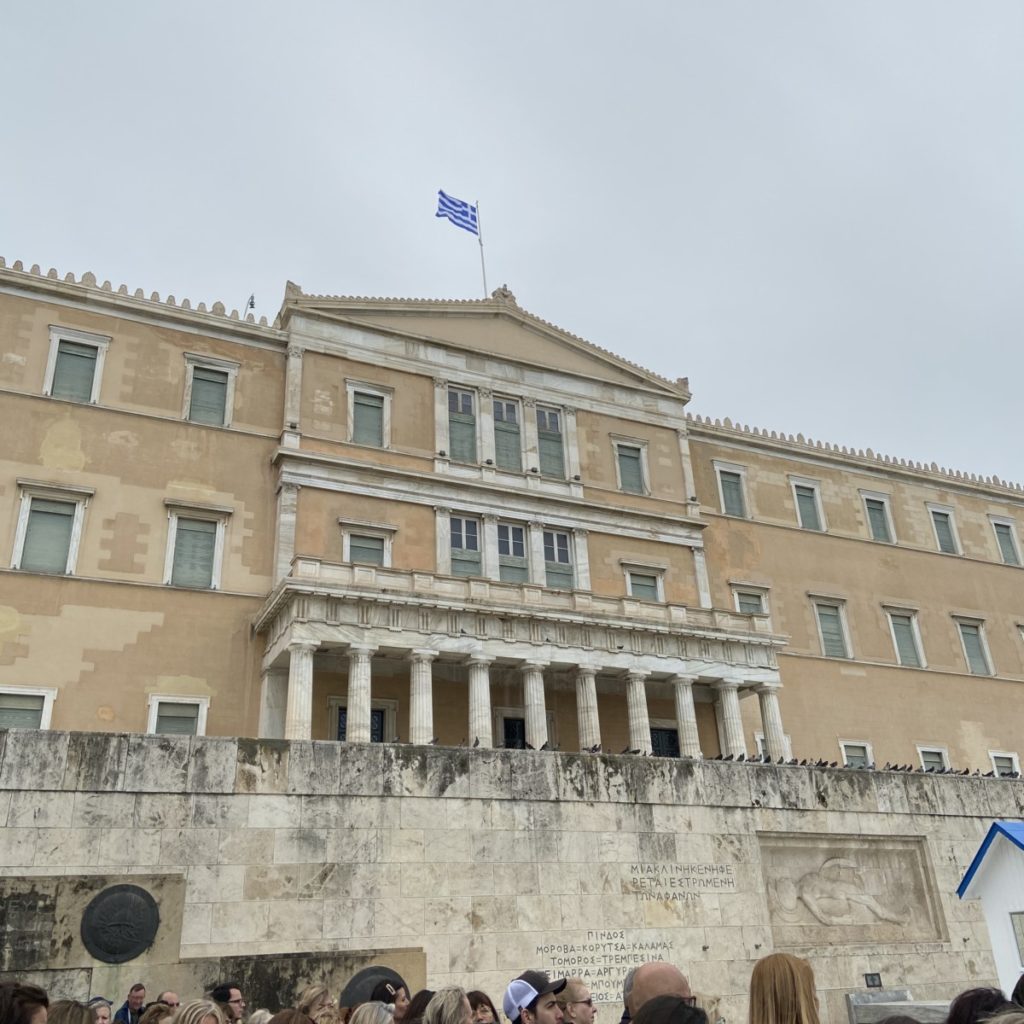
point(453, 521)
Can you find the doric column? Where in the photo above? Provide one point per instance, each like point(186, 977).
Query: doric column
point(298, 722)
point(357, 729)
point(480, 700)
point(731, 720)
point(686, 716)
point(588, 725)
point(273, 703)
point(636, 707)
point(533, 698)
point(771, 720)
point(421, 697)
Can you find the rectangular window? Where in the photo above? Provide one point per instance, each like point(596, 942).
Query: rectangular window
point(1004, 764)
point(749, 603)
point(643, 586)
point(664, 741)
point(973, 640)
point(178, 716)
point(21, 710)
point(209, 396)
point(550, 442)
point(855, 755)
point(945, 531)
point(195, 545)
point(48, 533)
point(461, 425)
point(879, 524)
point(367, 418)
point(905, 638)
point(378, 718)
point(558, 560)
point(831, 630)
point(933, 759)
point(508, 444)
point(367, 550)
point(631, 469)
point(1007, 542)
point(513, 566)
point(75, 365)
point(807, 509)
point(730, 487)
point(465, 547)
point(383, 719)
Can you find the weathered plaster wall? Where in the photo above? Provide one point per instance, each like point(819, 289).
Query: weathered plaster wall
point(492, 861)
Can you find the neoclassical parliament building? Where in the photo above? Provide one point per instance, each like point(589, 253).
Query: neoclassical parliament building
point(451, 522)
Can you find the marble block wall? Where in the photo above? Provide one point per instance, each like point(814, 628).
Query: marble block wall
point(491, 861)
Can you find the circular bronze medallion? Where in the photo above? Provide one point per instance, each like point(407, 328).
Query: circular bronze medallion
point(120, 923)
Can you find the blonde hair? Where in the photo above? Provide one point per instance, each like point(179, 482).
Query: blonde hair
point(445, 1007)
point(371, 1013)
point(782, 991)
point(197, 1011)
point(574, 988)
point(312, 998)
point(156, 1013)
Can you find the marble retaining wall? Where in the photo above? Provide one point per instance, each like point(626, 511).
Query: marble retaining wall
point(493, 861)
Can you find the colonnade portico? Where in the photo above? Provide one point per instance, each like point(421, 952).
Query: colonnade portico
point(287, 697)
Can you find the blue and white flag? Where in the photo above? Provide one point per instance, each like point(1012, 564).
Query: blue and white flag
point(458, 211)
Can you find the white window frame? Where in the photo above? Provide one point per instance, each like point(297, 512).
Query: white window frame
point(622, 441)
point(932, 748)
point(48, 693)
point(218, 514)
point(750, 589)
point(30, 489)
point(389, 707)
point(732, 467)
point(1014, 541)
point(844, 743)
point(951, 512)
point(378, 390)
point(520, 422)
point(228, 366)
point(99, 342)
point(890, 611)
point(477, 424)
point(644, 569)
point(383, 531)
point(815, 487)
point(838, 603)
point(154, 700)
point(973, 620)
point(886, 500)
point(1012, 755)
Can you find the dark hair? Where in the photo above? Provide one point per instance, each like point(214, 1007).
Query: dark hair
point(1017, 996)
point(222, 993)
point(976, 1004)
point(669, 1010)
point(899, 1018)
point(477, 998)
point(418, 1003)
point(19, 1001)
point(287, 1016)
point(137, 987)
point(385, 992)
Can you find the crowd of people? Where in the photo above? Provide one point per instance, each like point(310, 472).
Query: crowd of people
point(782, 991)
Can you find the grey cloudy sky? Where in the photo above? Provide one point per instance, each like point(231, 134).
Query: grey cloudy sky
point(814, 210)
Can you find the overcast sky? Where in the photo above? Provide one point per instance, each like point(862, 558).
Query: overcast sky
point(814, 210)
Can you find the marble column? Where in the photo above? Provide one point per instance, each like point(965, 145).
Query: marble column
point(357, 729)
point(421, 696)
point(480, 701)
point(533, 698)
point(728, 691)
point(588, 724)
point(298, 719)
point(273, 703)
point(771, 720)
point(636, 707)
point(686, 716)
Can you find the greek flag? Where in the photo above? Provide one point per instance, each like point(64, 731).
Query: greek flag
point(459, 212)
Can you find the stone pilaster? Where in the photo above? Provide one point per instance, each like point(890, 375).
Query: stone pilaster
point(686, 716)
point(533, 698)
point(298, 723)
point(636, 706)
point(357, 729)
point(273, 703)
point(421, 696)
point(588, 724)
point(480, 701)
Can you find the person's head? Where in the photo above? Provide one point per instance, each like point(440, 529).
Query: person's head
point(532, 998)
point(261, 1016)
point(394, 995)
point(482, 1007)
point(169, 998)
point(576, 1002)
point(373, 1012)
point(155, 1013)
point(448, 1006)
point(100, 1010)
point(22, 1004)
point(69, 1011)
point(902, 1018)
point(417, 1005)
point(290, 1016)
point(199, 1011)
point(782, 991)
point(977, 1004)
point(670, 1010)
point(1015, 1016)
point(312, 999)
point(1017, 995)
point(136, 997)
point(229, 995)
point(656, 978)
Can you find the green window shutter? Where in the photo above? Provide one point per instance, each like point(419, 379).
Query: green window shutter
point(732, 493)
point(20, 711)
point(630, 469)
point(1008, 550)
point(976, 660)
point(878, 521)
point(48, 536)
point(209, 396)
point(855, 755)
point(368, 550)
point(174, 719)
point(368, 419)
point(944, 532)
point(750, 604)
point(550, 446)
point(933, 759)
point(906, 642)
point(194, 545)
point(833, 641)
point(507, 446)
point(512, 563)
point(557, 561)
point(643, 586)
point(1003, 765)
point(74, 371)
point(465, 547)
point(807, 507)
point(461, 426)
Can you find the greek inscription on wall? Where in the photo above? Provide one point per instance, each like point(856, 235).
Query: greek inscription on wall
point(684, 883)
point(602, 959)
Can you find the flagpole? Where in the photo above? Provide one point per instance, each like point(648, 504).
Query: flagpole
point(480, 239)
